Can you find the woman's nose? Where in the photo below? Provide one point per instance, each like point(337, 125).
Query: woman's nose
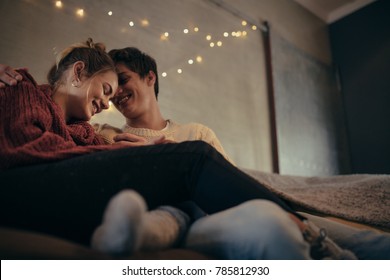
point(105, 104)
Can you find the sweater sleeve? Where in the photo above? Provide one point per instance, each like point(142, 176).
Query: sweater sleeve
point(209, 136)
point(31, 129)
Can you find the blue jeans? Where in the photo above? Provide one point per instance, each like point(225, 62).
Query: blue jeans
point(366, 244)
point(257, 229)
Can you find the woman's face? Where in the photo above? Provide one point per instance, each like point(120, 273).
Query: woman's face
point(92, 96)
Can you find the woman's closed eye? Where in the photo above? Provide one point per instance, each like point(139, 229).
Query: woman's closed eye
point(107, 89)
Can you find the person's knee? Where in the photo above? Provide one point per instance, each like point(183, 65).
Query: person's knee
point(246, 220)
point(261, 209)
point(202, 147)
point(255, 229)
point(265, 215)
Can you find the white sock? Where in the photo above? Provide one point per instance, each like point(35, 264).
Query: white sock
point(120, 232)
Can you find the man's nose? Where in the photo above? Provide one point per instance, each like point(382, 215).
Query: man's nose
point(118, 91)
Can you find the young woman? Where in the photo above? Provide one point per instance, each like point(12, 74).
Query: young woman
point(58, 177)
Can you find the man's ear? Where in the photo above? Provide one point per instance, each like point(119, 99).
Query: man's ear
point(151, 78)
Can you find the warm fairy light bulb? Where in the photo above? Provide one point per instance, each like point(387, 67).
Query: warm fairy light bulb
point(254, 27)
point(131, 23)
point(225, 34)
point(196, 29)
point(208, 37)
point(212, 45)
point(58, 4)
point(110, 13)
point(244, 33)
point(164, 36)
point(185, 31)
point(179, 71)
point(234, 34)
point(199, 59)
point(80, 12)
point(244, 23)
point(219, 43)
point(190, 61)
point(164, 74)
point(144, 22)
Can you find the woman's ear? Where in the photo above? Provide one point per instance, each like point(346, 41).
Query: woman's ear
point(78, 68)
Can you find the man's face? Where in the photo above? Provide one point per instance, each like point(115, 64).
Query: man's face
point(134, 94)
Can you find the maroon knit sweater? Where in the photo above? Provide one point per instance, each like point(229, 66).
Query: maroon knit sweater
point(33, 129)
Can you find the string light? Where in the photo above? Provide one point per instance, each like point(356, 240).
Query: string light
point(58, 4)
point(165, 35)
point(145, 22)
point(80, 12)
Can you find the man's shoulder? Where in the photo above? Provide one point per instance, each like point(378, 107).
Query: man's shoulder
point(196, 125)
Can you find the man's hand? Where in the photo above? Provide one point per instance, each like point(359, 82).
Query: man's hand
point(8, 76)
point(133, 140)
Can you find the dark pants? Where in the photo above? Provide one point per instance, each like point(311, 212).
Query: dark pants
point(67, 198)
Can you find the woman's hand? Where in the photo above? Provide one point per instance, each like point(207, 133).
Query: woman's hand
point(133, 140)
point(8, 76)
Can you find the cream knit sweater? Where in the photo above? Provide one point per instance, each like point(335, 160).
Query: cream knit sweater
point(173, 131)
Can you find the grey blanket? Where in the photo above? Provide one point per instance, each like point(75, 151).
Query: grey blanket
point(359, 198)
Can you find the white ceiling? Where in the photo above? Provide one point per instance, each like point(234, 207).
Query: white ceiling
point(332, 10)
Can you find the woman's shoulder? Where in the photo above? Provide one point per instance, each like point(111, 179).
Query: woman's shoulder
point(27, 77)
point(26, 88)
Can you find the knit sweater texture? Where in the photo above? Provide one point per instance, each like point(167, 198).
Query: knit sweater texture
point(33, 128)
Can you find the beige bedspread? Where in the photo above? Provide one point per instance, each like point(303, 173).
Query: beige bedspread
point(360, 198)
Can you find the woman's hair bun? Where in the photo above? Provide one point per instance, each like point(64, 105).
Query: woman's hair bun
point(98, 46)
